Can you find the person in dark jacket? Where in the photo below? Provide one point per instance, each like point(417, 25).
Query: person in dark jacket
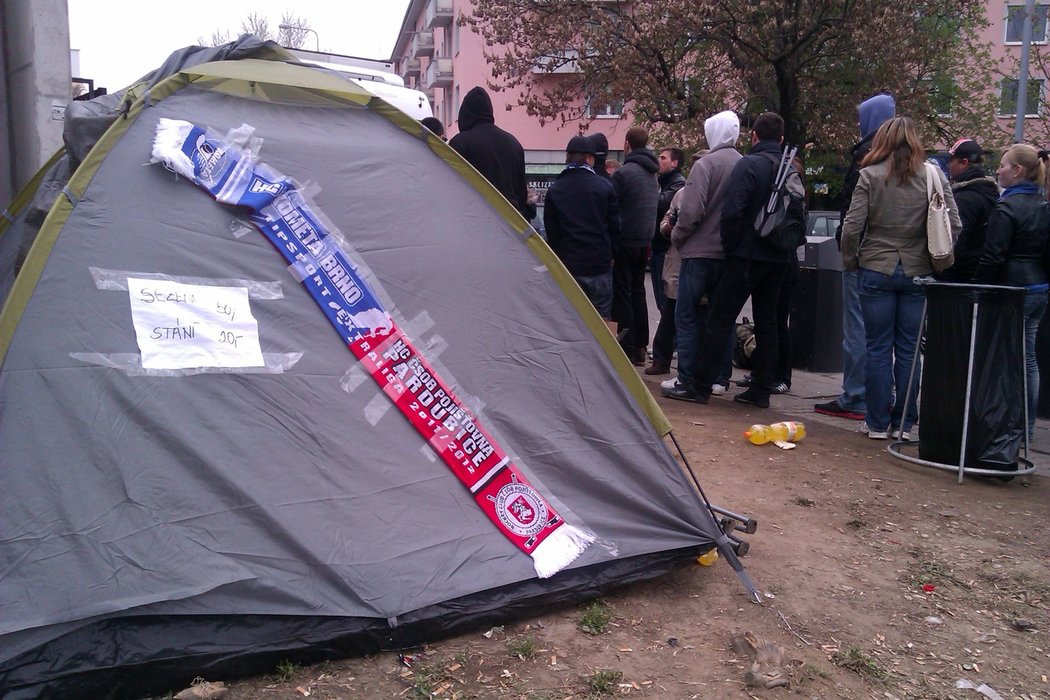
point(638, 192)
point(872, 113)
point(582, 221)
point(753, 267)
point(492, 151)
point(671, 180)
point(1016, 247)
point(601, 152)
point(975, 194)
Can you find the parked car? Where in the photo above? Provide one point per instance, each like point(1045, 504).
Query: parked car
point(822, 224)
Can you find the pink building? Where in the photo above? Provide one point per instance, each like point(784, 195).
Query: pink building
point(433, 53)
point(1004, 32)
point(436, 55)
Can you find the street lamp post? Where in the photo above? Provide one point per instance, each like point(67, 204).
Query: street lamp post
point(294, 28)
point(1022, 82)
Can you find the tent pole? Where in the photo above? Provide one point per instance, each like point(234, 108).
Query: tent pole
point(724, 544)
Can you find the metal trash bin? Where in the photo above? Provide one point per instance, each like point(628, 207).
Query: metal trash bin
point(973, 384)
point(816, 310)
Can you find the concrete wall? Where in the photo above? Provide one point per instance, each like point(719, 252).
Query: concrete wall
point(34, 37)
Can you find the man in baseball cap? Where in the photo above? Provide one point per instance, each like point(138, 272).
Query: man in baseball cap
point(582, 221)
point(975, 193)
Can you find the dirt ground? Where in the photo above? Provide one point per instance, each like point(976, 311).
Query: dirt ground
point(880, 579)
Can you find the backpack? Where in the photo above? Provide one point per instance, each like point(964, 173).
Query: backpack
point(782, 222)
point(744, 344)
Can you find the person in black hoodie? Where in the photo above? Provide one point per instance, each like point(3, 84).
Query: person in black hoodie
point(582, 221)
point(671, 180)
point(975, 193)
point(493, 152)
point(638, 192)
point(753, 267)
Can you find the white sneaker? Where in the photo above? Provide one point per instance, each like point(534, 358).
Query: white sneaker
point(874, 434)
point(671, 383)
point(719, 389)
point(902, 436)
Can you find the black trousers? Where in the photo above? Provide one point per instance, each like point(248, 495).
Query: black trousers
point(787, 293)
point(629, 308)
point(742, 279)
point(663, 341)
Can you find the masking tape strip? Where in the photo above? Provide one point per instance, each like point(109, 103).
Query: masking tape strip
point(117, 281)
point(130, 363)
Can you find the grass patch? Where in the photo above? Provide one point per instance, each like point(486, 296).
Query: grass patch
point(522, 647)
point(857, 524)
point(934, 573)
point(287, 669)
point(594, 619)
point(810, 671)
point(428, 678)
point(604, 682)
point(805, 502)
point(854, 659)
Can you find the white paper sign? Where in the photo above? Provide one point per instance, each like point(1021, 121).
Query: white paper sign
point(180, 326)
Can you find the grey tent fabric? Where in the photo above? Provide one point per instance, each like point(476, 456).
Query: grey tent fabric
point(158, 523)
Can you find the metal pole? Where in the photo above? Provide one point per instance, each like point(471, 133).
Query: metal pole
point(969, 388)
point(1024, 383)
point(1022, 82)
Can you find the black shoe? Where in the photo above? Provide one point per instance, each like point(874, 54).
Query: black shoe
point(681, 393)
point(779, 388)
point(753, 398)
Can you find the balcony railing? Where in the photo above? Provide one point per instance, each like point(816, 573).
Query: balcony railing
point(410, 68)
point(439, 74)
point(439, 14)
point(423, 44)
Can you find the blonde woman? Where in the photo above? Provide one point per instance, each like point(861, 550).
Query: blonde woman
point(884, 236)
point(1015, 247)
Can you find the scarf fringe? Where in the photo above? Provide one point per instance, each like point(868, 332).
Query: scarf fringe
point(167, 146)
point(560, 549)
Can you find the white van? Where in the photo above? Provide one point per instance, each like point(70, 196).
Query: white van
point(381, 83)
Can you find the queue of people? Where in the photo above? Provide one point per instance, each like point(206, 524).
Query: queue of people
point(607, 221)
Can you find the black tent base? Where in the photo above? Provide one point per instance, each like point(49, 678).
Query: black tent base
point(133, 657)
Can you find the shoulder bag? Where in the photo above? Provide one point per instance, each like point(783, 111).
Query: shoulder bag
point(939, 241)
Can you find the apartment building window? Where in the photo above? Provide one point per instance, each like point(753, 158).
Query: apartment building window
point(1015, 24)
point(598, 108)
point(1008, 98)
point(942, 92)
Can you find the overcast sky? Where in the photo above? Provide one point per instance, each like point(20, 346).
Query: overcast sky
point(122, 40)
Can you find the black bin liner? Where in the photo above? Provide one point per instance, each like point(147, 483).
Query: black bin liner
point(997, 422)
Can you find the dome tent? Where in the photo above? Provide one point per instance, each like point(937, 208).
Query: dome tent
point(215, 517)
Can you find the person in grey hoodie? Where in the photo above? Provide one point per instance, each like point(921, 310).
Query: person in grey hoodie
point(697, 236)
point(638, 192)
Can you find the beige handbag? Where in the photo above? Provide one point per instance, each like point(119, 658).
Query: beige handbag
point(939, 241)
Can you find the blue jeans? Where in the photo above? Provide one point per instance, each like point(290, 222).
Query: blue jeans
point(892, 307)
point(853, 344)
point(599, 289)
point(1034, 308)
point(697, 278)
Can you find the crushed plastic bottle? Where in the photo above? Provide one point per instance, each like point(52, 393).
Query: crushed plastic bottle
point(788, 431)
point(707, 558)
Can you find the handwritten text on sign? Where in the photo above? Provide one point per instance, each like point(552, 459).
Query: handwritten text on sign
point(180, 326)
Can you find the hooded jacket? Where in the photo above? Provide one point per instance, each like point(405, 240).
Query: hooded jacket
point(872, 113)
point(975, 194)
point(638, 191)
point(493, 152)
point(697, 232)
